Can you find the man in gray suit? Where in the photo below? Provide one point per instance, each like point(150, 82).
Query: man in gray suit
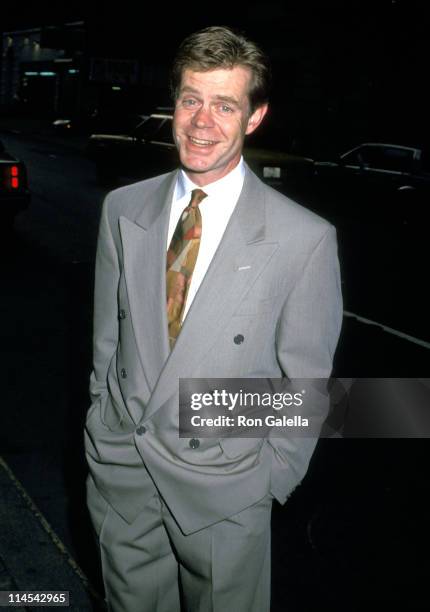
point(251, 283)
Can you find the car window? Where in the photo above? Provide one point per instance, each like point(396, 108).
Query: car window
point(158, 129)
point(116, 123)
point(389, 158)
point(356, 157)
point(148, 129)
point(164, 133)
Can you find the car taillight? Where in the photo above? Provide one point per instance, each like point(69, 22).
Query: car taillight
point(14, 177)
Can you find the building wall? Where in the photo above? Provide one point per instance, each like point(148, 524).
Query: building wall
point(18, 48)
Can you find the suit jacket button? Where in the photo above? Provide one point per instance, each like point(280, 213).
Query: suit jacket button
point(122, 314)
point(194, 443)
point(123, 373)
point(141, 430)
point(238, 339)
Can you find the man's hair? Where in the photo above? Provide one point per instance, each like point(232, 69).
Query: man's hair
point(221, 47)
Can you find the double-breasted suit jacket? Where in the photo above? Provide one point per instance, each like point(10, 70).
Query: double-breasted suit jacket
point(274, 280)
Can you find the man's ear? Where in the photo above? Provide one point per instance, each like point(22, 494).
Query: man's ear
point(256, 118)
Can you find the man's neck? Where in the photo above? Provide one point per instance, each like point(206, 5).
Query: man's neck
point(188, 183)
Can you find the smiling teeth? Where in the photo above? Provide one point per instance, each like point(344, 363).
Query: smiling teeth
point(201, 142)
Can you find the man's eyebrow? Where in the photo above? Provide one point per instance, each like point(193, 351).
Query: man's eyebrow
point(228, 99)
point(188, 89)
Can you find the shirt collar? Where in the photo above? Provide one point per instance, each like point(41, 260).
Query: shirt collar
point(184, 185)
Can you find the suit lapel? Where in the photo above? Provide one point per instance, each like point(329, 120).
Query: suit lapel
point(144, 246)
point(240, 258)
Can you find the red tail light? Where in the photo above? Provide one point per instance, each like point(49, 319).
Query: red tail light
point(14, 177)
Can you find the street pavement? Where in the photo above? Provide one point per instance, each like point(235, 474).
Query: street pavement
point(32, 557)
point(353, 536)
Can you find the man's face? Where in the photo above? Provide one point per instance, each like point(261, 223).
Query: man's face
point(211, 119)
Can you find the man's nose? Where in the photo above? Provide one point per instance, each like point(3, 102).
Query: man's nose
point(202, 118)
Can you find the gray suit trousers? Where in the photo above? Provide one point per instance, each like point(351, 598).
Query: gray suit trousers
point(151, 566)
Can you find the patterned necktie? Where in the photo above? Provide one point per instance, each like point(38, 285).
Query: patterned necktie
point(181, 260)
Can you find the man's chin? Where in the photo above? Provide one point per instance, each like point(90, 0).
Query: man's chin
point(196, 167)
point(191, 170)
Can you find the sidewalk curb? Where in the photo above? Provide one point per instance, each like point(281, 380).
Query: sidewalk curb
point(33, 556)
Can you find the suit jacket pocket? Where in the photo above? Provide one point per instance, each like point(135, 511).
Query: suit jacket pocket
point(107, 415)
point(91, 410)
point(115, 418)
point(237, 447)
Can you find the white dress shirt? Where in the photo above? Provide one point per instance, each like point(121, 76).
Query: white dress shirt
point(216, 210)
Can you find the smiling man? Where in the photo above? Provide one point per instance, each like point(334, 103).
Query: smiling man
point(201, 273)
point(212, 117)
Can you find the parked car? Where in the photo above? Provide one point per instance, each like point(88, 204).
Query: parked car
point(14, 192)
point(404, 167)
point(148, 149)
point(377, 176)
point(97, 121)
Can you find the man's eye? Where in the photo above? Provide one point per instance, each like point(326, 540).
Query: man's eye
point(224, 108)
point(188, 102)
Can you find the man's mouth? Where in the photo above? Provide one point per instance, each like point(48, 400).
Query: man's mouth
point(200, 142)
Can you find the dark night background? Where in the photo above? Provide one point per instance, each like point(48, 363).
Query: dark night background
point(344, 72)
point(355, 535)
